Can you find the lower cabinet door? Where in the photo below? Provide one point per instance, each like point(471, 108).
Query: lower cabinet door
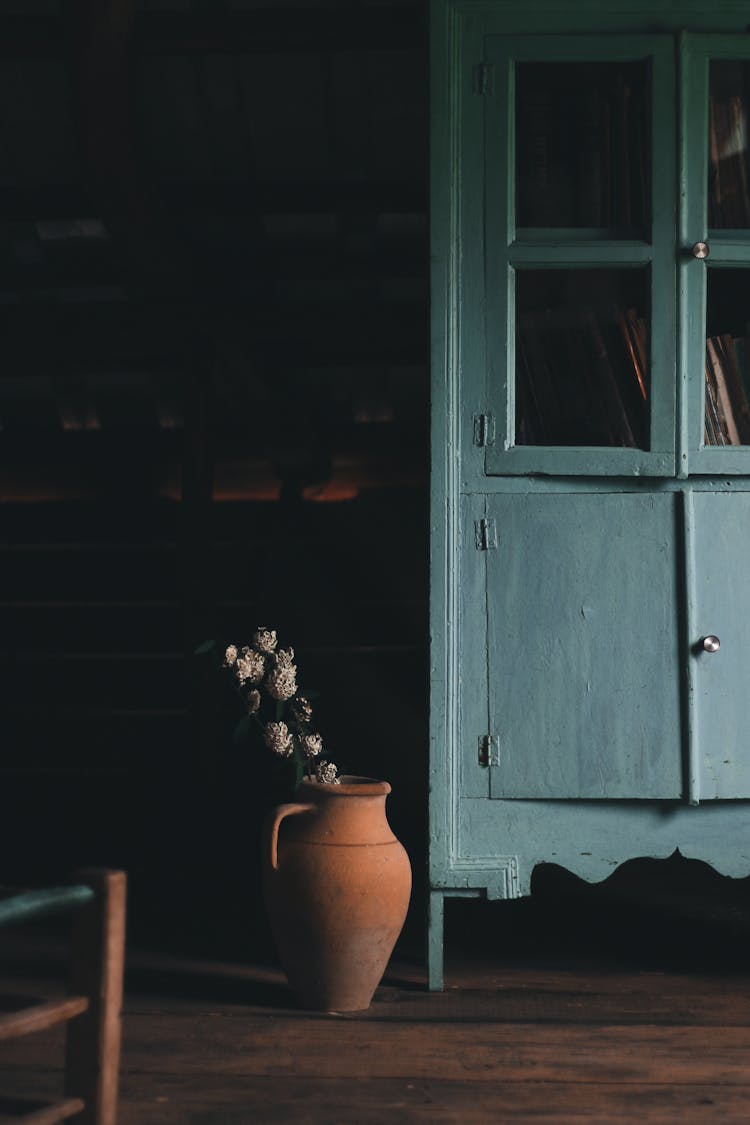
point(721, 608)
point(584, 646)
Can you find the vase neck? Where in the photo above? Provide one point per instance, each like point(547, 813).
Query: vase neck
point(346, 819)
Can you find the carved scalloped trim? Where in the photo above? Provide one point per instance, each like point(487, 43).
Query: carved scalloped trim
point(503, 877)
point(595, 869)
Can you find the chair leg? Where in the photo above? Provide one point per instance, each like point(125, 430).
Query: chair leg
point(92, 1049)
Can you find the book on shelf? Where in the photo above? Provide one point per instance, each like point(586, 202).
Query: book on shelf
point(605, 389)
point(727, 406)
point(712, 432)
point(633, 330)
point(581, 377)
point(728, 175)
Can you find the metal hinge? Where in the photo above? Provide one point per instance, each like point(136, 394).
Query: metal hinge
point(484, 79)
point(489, 750)
point(484, 429)
point(484, 534)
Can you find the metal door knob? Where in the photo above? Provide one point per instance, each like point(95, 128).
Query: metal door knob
point(700, 250)
point(711, 644)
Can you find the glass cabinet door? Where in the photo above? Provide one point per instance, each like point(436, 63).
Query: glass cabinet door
point(715, 254)
point(580, 183)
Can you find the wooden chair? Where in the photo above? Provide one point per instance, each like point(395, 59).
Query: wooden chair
point(91, 1011)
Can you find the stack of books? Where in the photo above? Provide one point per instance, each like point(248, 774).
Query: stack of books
point(582, 377)
point(727, 409)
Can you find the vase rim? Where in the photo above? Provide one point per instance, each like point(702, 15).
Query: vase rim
point(349, 785)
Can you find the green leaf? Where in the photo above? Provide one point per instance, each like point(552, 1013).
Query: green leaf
point(205, 648)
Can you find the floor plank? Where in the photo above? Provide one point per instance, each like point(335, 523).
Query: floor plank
point(207, 1042)
point(185, 1099)
point(336, 1047)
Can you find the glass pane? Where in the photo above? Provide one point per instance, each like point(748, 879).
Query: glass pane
point(727, 399)
point(728, 172)
point(582, 145)
point(582, 358)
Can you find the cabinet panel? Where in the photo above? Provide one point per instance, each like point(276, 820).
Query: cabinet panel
point(584, 642)
point(721, 679)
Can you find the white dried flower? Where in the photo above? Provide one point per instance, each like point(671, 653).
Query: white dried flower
point(281, 682)
point(253, 701)
point(230, 656)
point(265, 640)
point(326, 773)
point(284, 658)
point(250, 666)
point(279, 739)
point(312, 745)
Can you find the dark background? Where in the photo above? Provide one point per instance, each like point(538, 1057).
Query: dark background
point(213, 416)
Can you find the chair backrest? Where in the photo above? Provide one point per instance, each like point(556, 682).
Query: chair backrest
point(92, 1010)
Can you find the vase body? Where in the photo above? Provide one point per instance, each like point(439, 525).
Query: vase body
point(337, 884)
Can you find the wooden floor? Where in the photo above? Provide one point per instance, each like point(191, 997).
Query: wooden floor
point(590, 1021)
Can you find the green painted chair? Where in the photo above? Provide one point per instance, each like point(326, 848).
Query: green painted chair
point(91, 1010)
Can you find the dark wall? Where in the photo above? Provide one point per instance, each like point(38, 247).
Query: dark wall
point(213, 415)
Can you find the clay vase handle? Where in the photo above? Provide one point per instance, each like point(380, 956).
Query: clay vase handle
point(270, 843)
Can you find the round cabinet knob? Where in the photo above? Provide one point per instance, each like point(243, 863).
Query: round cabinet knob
point(711, 644)
point(700, 250)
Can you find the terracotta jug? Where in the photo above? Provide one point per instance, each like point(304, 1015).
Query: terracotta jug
point(337, 884)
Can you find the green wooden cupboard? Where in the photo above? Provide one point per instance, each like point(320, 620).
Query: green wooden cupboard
point(590, 513)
